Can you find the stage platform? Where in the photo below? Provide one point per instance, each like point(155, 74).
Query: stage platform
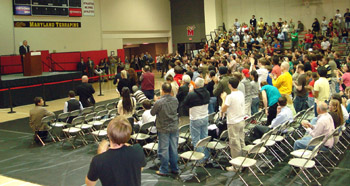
point(49, 85)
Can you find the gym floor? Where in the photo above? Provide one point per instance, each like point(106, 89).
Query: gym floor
point(23, 162)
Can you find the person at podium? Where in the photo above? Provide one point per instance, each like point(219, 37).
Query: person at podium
point(23, 49)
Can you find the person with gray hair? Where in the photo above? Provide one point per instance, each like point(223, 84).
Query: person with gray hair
point(182, 93)
point(197, 101)
point(284, 83)
point(323, 126)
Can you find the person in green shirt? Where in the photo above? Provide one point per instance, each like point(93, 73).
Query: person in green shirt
point(294, 36)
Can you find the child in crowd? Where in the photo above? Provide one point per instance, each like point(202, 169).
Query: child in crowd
point(146, 117)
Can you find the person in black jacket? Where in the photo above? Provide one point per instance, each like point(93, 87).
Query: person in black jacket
point(85, 92)
point(71, 105)
point(124, 81)
point(23, 49)
point(81, 67)
point(197, 101)
point(182, 93)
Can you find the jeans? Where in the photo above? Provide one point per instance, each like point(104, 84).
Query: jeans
point(310, 101)
point(167, 151)
point(300, 103)
point(212, 104)
point(303, 142)
point(285, 36)
point(315, 109)
point(255, 105)
point(259, 131)
point(149, 94)
point(344, 40)
point(347, 25)
point(199, 130)
point(307, 46)
point(294, 45)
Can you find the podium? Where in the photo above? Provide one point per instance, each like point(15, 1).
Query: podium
point(32, 64)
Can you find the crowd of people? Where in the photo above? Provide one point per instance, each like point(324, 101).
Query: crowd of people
point(242, 71)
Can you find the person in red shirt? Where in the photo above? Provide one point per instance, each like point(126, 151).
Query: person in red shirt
point(317, 45)
point(314, 66)
point(147, 82)
point(311, 99)
point(308, 39)
point(178, 74)
point(276, 70)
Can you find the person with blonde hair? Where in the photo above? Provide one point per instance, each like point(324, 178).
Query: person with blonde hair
point(124, 81)
point(117, 162)
point(290, 104)
point(335, 111)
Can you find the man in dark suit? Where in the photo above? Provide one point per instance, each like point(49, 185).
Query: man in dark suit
point(23, 49)
point(181, 95)
point(85, 92)
point(81, 67)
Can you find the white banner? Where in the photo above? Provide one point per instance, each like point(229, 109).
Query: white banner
point(88, 8)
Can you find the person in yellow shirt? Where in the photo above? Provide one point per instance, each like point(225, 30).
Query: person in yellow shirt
point(284, 82)
point(261, 27)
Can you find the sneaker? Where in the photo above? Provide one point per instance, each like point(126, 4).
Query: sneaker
point(231, 169)
point(161, 174)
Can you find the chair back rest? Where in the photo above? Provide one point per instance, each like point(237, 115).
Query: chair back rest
point(146, 126)
point(90, 116)
point(75, 113)
point(316, 140)
point(256, 148)
point(106, 122)
point(224, 135)
point(203, 142)
point(211, 118)
point(99, 108)
point(87, 110)
point(266, 136)
point(140, 112)
point(78, 120)
point(102, 113)
point(111, 106)
point(131, 121)
point(113, 112)
point(184, 128)
point(48, 119)
point(63, 116)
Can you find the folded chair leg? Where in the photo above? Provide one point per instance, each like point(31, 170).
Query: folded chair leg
point(322, 165)
point(272, 165)
point(328, 160)
point(312, 176)
point(41, 141)
point(260, 170)
point(255, 175)
point(321, 175)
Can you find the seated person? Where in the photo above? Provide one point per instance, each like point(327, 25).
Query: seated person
point(72, 104)
point(138, 94)
point(284, 114)
point(146, 117)
point(35, 116)
point(343, 108)
point(324, 126)
point(117, 163)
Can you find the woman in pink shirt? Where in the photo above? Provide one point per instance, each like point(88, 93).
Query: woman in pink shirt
point(344, 81)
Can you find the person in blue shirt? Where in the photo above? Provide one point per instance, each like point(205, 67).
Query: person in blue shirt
point(270, 95)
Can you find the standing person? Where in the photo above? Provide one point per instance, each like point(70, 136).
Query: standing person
point(315, 26)
point(85, 92)
point(112, 67)
point(232, 106)
point(197, 101)
point(247, 91)
point(124, 81)
point(300, 102)
point(270, 95)
point(147, 82)
point(91, 67)
point(262, 71)
point(210, 88)
point(35, 116)
point(23, 49)
point(284, 83)
point(117, 163)
point(321, 87)
point(300, 27)
point(253, 22)
point(255, 92)
point(347, 19)
point(324, 26)
point(308, 40)
point(165, 110)
point(285, 30)
point(127, 105)
point(81, 67)
point(261, 27)
point(295, 39)
point(182, 93)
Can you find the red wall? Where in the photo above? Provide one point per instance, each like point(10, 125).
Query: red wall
point(60, 61)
